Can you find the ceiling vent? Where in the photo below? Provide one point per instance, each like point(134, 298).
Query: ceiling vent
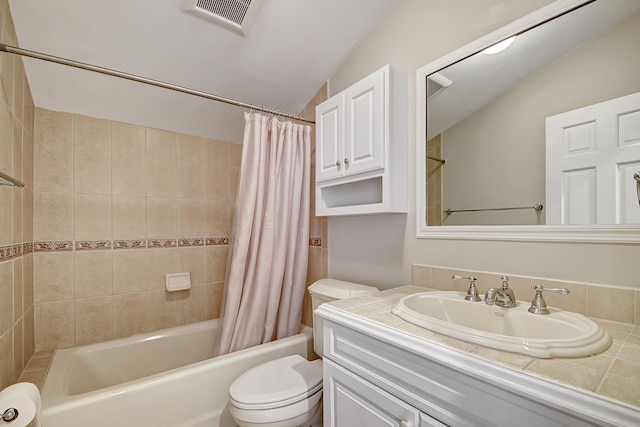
point(235, 15)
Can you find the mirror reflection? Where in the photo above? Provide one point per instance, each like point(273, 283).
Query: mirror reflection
point(546, 131)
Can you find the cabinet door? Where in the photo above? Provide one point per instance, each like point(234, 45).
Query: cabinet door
point(365, 124)
point(352, 401)
point(330, 139)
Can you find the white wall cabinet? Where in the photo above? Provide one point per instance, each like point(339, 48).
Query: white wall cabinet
point(361, 147)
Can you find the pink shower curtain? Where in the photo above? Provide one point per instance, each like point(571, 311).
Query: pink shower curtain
point(267, 268)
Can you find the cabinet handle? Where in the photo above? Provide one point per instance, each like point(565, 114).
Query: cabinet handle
point(338, 163)
point(405, 423)
point(346, 161)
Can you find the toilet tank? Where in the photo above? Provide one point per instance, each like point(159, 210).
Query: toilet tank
point(325, 290)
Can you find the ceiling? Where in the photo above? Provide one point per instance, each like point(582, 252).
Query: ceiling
point(291, 49)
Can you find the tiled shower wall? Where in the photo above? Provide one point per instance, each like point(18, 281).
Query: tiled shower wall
point(116, 208)
point(16, 211)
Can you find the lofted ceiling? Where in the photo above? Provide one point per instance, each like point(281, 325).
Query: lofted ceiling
point(290, 50)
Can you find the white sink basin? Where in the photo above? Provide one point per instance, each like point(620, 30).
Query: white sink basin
point(559, 334)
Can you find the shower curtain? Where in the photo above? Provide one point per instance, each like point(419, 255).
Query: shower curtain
point(268, 253)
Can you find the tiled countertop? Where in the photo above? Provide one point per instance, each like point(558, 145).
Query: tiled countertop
point(614, 373)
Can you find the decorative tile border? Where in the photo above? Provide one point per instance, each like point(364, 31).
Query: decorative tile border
point(93, 245)
point(315, 242)
point(14, 251)
point(130, 244)
point(52, 246)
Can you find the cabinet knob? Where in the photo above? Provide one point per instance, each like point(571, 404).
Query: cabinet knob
point(346, 161)
point(338, 163)
point(404, 423)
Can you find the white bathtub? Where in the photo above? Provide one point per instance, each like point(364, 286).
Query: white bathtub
point(166, 378)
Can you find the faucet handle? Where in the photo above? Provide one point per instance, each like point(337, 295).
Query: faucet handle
point(539, 305)
point(472, 292)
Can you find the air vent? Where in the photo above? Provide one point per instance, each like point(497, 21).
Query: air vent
point(236, 15)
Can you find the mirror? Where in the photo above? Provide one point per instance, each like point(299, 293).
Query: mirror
point(484, 115)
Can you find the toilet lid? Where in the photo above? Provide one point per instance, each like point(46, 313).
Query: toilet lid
point(277, 383)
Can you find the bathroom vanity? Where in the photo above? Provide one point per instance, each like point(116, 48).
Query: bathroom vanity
point(381, 371)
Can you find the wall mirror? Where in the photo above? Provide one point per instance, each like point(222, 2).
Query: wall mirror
point(489, 127)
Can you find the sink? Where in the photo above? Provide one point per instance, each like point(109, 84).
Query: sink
point(559, 334)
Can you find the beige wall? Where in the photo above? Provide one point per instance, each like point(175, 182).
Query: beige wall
point(16, 211)
point(603, 69)
point(116, 208)
point(381, 249)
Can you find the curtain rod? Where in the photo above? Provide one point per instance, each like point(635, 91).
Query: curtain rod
point(133, 77)
point(7, 180)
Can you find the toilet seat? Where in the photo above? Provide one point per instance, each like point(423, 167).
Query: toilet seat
point(277, 383)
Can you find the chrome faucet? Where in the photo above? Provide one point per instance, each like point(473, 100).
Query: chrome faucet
point(472, 292)
point(539, 305)
point(502, 297)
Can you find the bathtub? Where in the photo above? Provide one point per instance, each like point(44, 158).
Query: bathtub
point(166, 378)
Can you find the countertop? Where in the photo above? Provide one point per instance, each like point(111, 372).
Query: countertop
point(614, 374)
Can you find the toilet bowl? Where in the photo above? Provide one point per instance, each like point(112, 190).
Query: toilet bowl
point(287, 392)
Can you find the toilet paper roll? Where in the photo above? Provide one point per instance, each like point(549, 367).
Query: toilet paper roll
point(25, 398)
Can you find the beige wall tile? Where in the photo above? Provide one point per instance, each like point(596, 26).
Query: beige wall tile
point(420, 275)
point(129, 271)
point(27, 215)
point(28, 339)
point(7, 376)
point(93, 273)
point(129, 217)
point(93, 317)
point(27, 272)
point(90, 133)
point(610, 303)
point(6, 215)
point(235, 154)
point(162, 178)
point(191, 305)
point(192, 260)
point(53, 217)
point(441, 279)
point(190, 180)
point(53, 170)
point(52, 129)
point(17, 217)
point(161, 143)
point(217, 222)
point(92, 217)
point(6, 295)
point(91, 171)
point(160, 262)
point(53, 276)
point(129, 314)
point(314, 268)
point(18, 345)
point(190, 148)
point(18, 289)
point(213, 299)
point(163, 310)
point(161, 218)
point(216, 152)
point(54, 325)
point(216, 184)
point(6, 136)
point(127, 138)
point(129, 175)
point(216, 262)
point(191, 215)
point(234, 180)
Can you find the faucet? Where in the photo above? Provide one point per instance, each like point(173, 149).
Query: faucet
point(503, 297)
point(472, 292)
point(539, 305)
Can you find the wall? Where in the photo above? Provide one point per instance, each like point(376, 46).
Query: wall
point(381, 249)
point(117, 207)
point(16, 211)
point(507, 162)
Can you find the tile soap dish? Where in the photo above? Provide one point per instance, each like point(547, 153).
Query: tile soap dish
point(178, 281)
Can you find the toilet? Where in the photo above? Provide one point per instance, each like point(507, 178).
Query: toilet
point(287, 392)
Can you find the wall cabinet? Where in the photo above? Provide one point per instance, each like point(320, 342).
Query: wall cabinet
point(361, 147)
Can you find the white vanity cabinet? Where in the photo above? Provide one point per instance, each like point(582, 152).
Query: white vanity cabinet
point(361, 147)
point(375, 375)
